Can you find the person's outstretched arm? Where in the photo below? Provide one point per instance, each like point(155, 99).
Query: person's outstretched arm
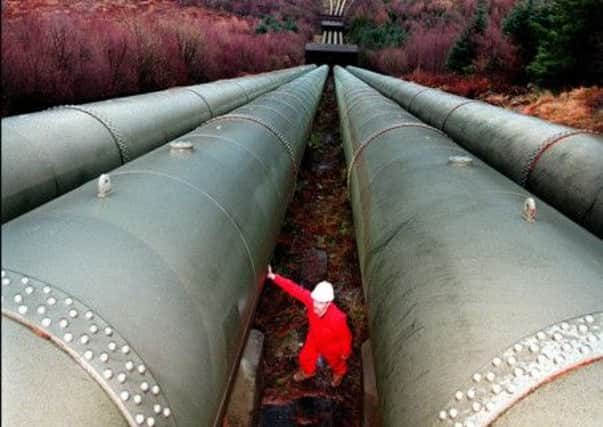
point(289, 286)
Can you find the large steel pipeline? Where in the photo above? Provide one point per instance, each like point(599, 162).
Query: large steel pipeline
point(144, 292)
point(562, 165)
point(476, 316)
point(48, 153)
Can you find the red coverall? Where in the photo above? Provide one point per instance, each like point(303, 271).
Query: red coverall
point(328, 335)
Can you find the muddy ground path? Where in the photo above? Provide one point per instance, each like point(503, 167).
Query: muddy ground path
point(317, 242)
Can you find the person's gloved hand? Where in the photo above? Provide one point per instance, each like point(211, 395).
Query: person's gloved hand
point(270, 274)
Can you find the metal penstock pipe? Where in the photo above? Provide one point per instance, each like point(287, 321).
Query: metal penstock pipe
point(145, 293)
point(562, 165)
point(48, 153)
point(476, 316)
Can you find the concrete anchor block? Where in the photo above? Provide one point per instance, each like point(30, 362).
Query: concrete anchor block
point(246, 392)
point(370, 399)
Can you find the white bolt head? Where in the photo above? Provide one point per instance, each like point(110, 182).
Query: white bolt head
point(139, 419)
point(496, 388)
point(93, 329)
point(490, 376)
point(41, 310)
point(63, 323)
point(589, 319)
point(144, 386)
point(564, 326)
point(18, 299)
point(129, 365)
point(141, 369)
point(511, 361)
point(583, 328)
point(3, 273)
point(29, 290)
point(496, 361)
point(6, 281)
point(25, 280)
point(566, 346)
point(471, 393)
point(511, 389)
point(51, 301)
point(89, 315)
point(477, 377)
point(443, 415)
point(22, 309)
point(541, 335)
point(112, 346)
point(125, 349)
point(534, 348)
point(108, 331)
point(476, 406)
point(459, 395)
point(124, 395)
point(155, 389)
point(46, 322)
point(46, 289)
point(137, 399)
point(518, 347)
point(68, 337)
point(88, 354)
point(557, 336)
point(84, 339)
point(518, 372)
point(108, 374)
point(68, 301)
point(150, 421)
point(103, 185)
point(166, 412)
point(121, 377)
point(104, 357)
point(73, 313)
point(453, 412)
point(157, 408)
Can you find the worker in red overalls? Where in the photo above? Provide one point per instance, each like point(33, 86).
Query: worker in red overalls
point(328, 332)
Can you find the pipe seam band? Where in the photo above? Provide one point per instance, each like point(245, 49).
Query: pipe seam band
point(292, 95)
point(119, 139)
point(377, 134)
point(524, 366)
point(544, 146)
point(92, 342)
point(415, 96)
point(456, 107)
point(247, 99)
point(269, 127)
point(202, 99)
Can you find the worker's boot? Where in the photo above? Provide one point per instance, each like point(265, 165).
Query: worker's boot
point(300, 376)
point(337, 379)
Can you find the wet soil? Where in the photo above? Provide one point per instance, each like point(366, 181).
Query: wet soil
point(317, 242)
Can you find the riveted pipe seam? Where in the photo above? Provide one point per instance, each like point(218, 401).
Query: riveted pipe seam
point(375, 136)
point(211, 113)
point(95, 356)
point(546, 144)
point(120, 140)
point(286, 145)
point(453, 275)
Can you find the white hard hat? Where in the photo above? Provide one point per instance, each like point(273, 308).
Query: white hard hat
point(323, 292)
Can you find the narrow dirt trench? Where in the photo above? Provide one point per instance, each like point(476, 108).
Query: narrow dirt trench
point(317, 242)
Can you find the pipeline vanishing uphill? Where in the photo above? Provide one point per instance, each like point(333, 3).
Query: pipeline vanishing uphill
point(476, 316)
point(562, 165)
point(48, 153)
point(144, 296)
